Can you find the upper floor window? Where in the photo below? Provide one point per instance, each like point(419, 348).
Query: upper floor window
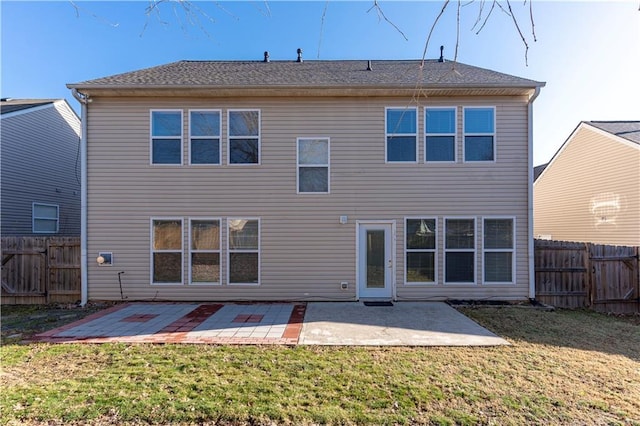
point(498, 250)
point(479, 134)
point(313, 165)
point(45, 218)
point(244, 136)
point(440, 139)
point(401, 135)
point(166, 137)
point(204, 137)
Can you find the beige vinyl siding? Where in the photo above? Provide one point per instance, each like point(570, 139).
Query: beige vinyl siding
point(40, 163)
point(592, 168)
point(305, 251)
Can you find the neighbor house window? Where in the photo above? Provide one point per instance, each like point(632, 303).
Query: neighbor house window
point(45, 218)
point(204, 137)
point(166, 251)
point(479, 133)
point(244, 251)
point(204, 251)
point(244, 136)
point(420, 250)
point(459, 249)
point(440, 139)
point(313, 165)
point(499, 249)
point(401, 135)
point(166, 137)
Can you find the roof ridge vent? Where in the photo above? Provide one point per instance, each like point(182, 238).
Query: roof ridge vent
point(441, 59)
point(299, 55)
point(369, 66)
point(266, 56)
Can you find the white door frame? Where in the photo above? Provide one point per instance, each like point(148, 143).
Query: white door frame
point(392, 255)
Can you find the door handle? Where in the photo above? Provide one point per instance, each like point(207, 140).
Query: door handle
point(390, 264)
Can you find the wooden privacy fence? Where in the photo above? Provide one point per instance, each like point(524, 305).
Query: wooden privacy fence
point(40, 269)
point(583, 275)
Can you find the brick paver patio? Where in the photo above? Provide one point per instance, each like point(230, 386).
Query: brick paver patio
point(219, 323)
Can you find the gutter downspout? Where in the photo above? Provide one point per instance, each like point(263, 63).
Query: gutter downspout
point(84, 100)
point(532, 272)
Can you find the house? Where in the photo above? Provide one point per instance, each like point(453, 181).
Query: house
point(308, 180)
point(590, 190)
point(40, 141)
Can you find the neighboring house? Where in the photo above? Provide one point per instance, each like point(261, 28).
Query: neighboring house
point(314, 180)
point(40, 141)
point(590, 190)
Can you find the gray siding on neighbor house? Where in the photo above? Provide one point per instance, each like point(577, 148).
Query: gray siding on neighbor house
point(40, 163)
point(590, 192)
point(305, 252)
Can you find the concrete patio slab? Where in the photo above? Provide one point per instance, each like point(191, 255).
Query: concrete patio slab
point(403, 324)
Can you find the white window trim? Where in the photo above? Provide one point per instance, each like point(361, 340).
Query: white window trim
point(152, 251)
point(512, 251)
point(454, 134)
point(434, 251)
point(151, 137)
point(327, 165)
point(230, 138)
point(34, 218)
point(229, 251)
point(386, 135)
point(219, 251)
point(445, 251)
point(219, 136)
point(494, 134)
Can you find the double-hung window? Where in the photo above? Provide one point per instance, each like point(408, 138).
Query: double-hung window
point(440, 138)
point(244, 136)
point(166, 251)
point(498, 250)
point(459, 249)
point(204, 137)
point(313, 165)
point(204, 247)
point(45, 218)
point(243, 238)
point(401, 135)
point(166, 137)
point(420, 248)
point(479, 134)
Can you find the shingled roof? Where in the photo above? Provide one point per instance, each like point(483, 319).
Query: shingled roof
point(13, 105)
point(629, 130)
point(407, 74)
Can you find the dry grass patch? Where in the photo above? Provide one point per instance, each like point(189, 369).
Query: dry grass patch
point(563, 368)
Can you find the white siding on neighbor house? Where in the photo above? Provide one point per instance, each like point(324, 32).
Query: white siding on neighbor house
point(590, 192)
point(41, 164)
point(305, 252)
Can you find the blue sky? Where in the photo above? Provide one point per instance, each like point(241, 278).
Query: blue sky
point(588, 53)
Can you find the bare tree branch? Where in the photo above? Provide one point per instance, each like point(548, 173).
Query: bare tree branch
point(533, 25)
point(433, 27)
point(524, 40)
point(99, 18)
point(455, 55)
point(381, 14)
point(324, 14)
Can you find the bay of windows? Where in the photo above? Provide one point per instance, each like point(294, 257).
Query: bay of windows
point(479, 134)
point(204, 137)
point(313, 165)
point(401, 135)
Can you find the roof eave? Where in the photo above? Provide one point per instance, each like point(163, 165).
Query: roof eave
point(294, 90)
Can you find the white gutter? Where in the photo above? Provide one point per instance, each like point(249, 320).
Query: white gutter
point(84, 100)
point(532, 272)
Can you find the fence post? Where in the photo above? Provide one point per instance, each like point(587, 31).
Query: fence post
point(589, 275)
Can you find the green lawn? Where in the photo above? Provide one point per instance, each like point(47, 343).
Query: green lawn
point(564, 367)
